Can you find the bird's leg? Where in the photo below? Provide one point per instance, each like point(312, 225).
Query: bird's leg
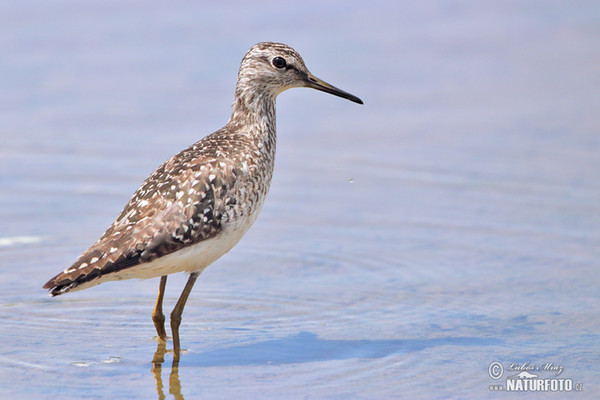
point(157, 315)
point(176, 314)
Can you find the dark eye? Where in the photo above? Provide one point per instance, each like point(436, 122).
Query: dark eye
point(279, 62)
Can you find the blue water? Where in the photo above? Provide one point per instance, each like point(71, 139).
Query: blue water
point(451, 222)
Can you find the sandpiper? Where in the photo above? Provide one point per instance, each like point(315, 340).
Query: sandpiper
point(198, 204)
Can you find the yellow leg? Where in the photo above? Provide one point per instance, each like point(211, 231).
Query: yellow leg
point(157, 315)
point(177, 311)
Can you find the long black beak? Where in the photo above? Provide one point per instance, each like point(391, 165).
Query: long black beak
point(316, 83)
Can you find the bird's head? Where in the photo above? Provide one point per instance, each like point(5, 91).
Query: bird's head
point(274, 67)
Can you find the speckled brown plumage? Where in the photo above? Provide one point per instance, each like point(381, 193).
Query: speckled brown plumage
point(197, 205)
point(188, 199)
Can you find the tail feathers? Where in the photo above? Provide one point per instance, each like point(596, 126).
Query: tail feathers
point(59, 285)
point(71, 280)
point(60, 289)
point(85, 273)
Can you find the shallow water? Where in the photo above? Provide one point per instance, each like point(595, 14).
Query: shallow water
point(450, 222)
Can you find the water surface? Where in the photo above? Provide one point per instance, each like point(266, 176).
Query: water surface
point(450, 222)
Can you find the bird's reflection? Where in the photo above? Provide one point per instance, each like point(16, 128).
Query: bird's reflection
point(174, 383)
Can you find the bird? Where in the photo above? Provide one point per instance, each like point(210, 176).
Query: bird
point(198, 204)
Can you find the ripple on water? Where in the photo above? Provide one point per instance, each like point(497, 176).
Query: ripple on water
point(310, 301)
point(356, 310)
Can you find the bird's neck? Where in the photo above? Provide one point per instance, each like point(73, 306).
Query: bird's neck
point(254, 109)
point(254, 116)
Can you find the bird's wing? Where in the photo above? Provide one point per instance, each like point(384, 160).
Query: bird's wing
point(181, 203)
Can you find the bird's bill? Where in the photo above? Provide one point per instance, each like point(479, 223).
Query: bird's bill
point(316, 83)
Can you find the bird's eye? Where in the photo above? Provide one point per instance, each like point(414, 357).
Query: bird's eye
point(279, 62)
